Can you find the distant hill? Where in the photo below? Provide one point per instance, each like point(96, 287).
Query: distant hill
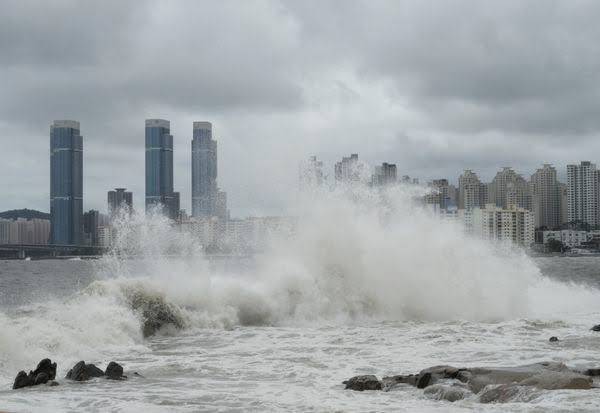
point(24, 213)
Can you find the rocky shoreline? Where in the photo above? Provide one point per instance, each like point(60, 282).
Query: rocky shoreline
point(486, 384)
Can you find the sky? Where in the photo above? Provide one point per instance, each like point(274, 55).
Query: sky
point(433, 86)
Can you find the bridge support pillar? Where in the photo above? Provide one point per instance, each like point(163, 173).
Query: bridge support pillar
point(21, 254)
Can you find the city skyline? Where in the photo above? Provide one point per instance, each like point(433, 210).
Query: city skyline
point(474, 100)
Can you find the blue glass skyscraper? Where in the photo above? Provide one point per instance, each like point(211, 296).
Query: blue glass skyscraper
point(66, 183)
point(159, 168)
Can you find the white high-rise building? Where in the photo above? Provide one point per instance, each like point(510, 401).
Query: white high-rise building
point(582, 193)
point(545, 192)
point(494, 223)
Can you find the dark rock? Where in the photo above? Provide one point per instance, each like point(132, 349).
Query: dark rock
point(592, 372)
point(424, 380)
point(366, 382)
point(45, 371)
point(114, 371)
point(52, 383)
point(596, 327)
point(553, 339)
point(23, 380)
point(46, 366)
point(93, 371)
point(41, 378)
point(136, 374)
point(78, 372)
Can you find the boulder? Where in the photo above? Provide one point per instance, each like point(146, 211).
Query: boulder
point(499, 394)
point(365, 382)
point(424, 380)
point(23, 380)
point(78, 372)
point(43, 373)
point(46, 366)
point(41, 378)
point(114, 371)
point(592, 372)
point(596, 327)
point(93, 371)
point(82, 372)
point(553, 339)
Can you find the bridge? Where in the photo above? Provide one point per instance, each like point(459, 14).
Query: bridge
point(21, 251)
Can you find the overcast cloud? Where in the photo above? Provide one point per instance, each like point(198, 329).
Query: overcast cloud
point(435, 86)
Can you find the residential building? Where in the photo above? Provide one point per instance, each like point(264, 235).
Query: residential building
point(509, 188)
point(22, 231)
point(119, 200)
point(66, 183)
point(471, 192)
point(513, 224)
point(159, 168)
point(582, 193)
point(91, 222)
point(569, 237)
point(545, 195)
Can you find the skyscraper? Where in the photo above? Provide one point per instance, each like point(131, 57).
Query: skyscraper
point(119, 199)
point(66, 183)
point(582, 193)
point(204, 171)
point(546, 197)
point(159, 168)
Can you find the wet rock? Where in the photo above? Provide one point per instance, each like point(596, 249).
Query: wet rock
point(553, 339)
point(114, 371)
point(450, 393)
point(596, 327)
point(78, 372)
point(553, 380)
point(23, 380)
point(592, 372)
point(52, 383)
point(93, 371)
point(388, 383)
point(365, 382)
point(500, 394)
point(156, 312)
point(82, 372)
point(41, 378)
point(46, 366)
point(424, 380)
point(44, 372)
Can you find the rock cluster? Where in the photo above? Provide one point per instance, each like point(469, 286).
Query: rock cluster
point(45, 372)
point(500, 384)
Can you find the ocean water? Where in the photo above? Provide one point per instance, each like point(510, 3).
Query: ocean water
point(360, 289)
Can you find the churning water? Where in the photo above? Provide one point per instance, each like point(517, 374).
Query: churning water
point(369, 284)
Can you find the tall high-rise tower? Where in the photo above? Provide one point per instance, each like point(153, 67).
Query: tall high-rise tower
point(582, 193)
point(159, 168)
point(204, 171)
point(546, 197)
point(66, 183)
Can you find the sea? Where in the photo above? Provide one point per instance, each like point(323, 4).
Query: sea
point(354, 293)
